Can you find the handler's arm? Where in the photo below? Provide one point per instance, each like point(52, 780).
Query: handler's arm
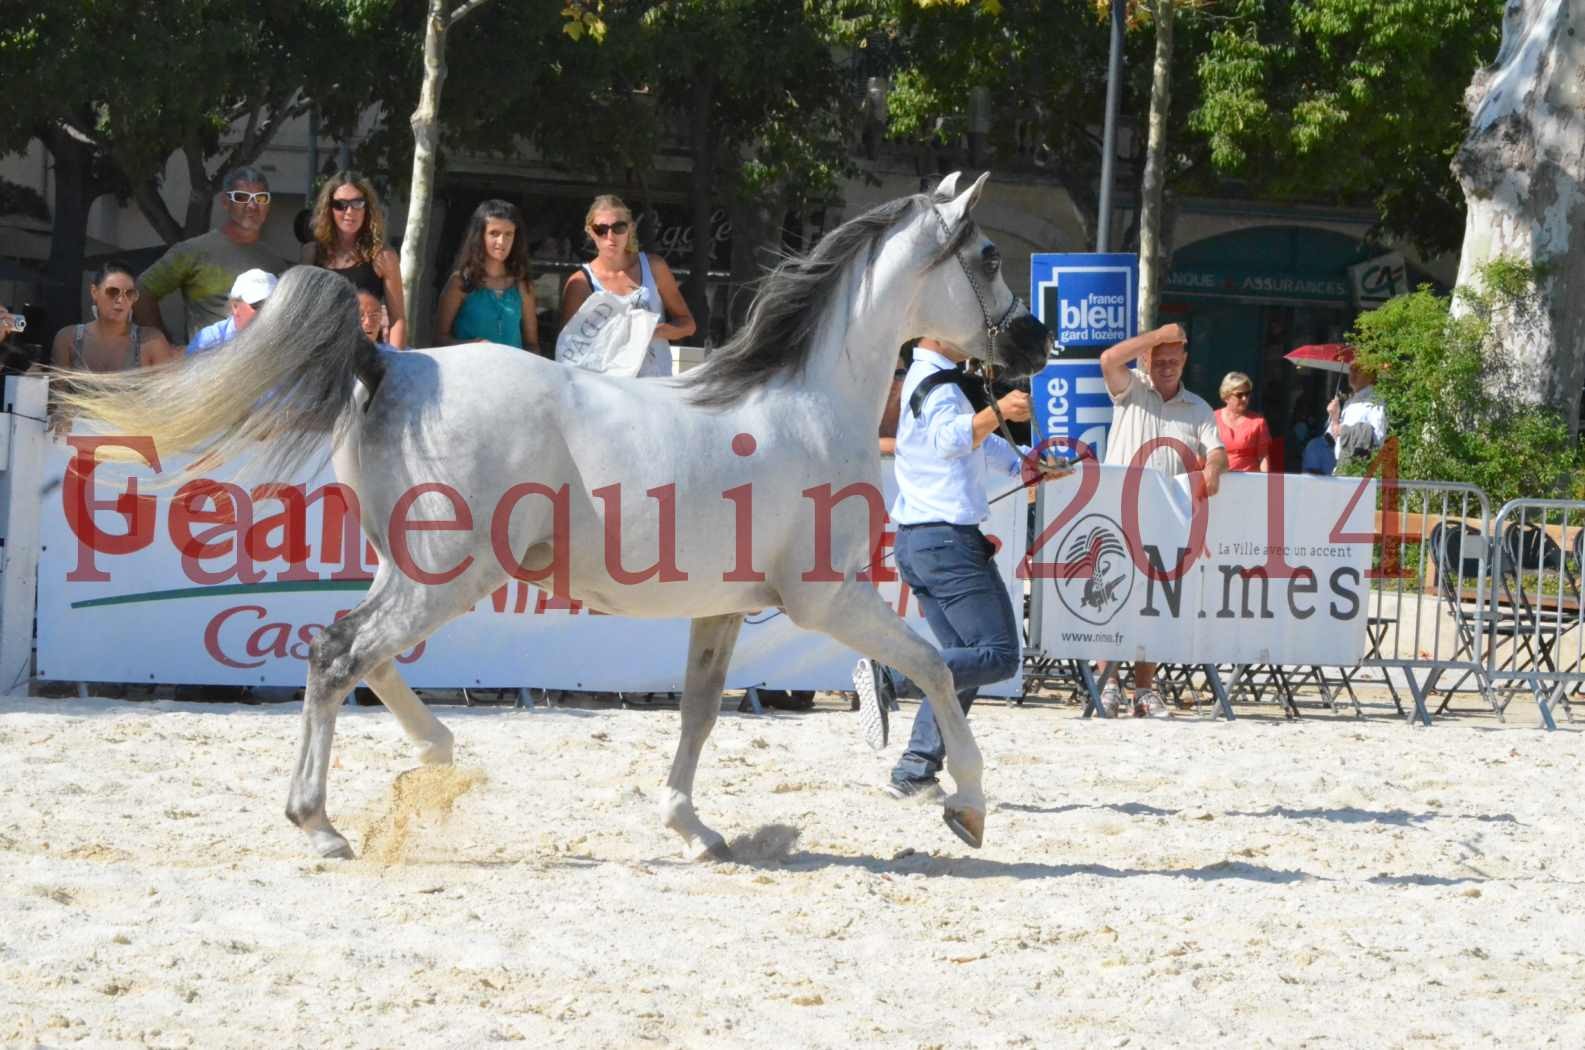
point(1015, 409)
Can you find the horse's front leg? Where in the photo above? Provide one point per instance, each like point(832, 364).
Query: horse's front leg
point(710, 642)
point(856, 615)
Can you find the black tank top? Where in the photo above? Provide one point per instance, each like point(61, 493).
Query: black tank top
point(363, 278)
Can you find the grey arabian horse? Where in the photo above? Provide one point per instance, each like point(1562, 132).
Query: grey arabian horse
point(751, 482)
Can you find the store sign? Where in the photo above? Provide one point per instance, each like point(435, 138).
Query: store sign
point(1379, 279)
point(1255, 284)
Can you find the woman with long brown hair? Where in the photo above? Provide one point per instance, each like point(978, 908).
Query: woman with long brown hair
point(349, 238)
point(488, 298)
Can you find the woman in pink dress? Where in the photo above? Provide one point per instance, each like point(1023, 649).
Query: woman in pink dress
point(1245, 434)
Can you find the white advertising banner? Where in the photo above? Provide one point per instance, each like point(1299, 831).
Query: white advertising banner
point(1273, 569)
point(149, 586)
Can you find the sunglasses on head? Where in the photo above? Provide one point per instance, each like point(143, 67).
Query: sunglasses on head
point(248, 196)
point(346, 203)
point(600, 229)
point(115, 294)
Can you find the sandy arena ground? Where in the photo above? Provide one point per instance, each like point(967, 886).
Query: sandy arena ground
point(1323, 883)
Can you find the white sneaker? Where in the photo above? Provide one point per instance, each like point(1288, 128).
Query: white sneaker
point(1148, 703)
point(874, 691)
point(1111, 699)
point(914, 790)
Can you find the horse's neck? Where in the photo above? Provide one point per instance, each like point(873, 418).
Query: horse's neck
point(859, 336)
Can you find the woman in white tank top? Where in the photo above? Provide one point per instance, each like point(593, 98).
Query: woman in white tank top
point(621, 269)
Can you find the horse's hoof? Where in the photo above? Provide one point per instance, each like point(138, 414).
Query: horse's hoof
point(717, 851)
point(966, 824)
point(437, 753)
point(333, 847)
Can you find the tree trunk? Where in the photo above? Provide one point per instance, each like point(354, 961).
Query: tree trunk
point(201, 187)
point(1522, 169)
point(63, 282)
point(696, 291)
point(146, 195)
point(1152, 256)
point(426, 141)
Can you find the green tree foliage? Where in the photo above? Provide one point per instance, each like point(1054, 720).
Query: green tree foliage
point(113, 90)
point(1442, 375)
point(749, 90)
point(1349, 102)
point(1044, 63)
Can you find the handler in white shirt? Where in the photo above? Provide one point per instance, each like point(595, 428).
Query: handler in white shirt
point(945, 448)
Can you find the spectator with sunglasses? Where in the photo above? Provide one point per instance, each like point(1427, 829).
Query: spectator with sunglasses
point(202, 269)
point(349, 238)
point(111, 342)
point(488, 298)
point(1244, 434)
point(620, 268)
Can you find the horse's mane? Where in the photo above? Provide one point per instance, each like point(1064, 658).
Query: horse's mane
point(779, 333)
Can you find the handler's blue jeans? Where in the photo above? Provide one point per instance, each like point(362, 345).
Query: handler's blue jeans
point(950, 571)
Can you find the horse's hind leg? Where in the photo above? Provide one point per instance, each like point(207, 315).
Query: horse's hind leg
point(710, 642)
point(418, 722)
point(857, 617)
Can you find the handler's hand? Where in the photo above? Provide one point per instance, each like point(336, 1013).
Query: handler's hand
point(1014, 406)
point(1212, 480)
point(1052, 470)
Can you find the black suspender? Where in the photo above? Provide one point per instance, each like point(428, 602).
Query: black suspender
point(973, 389)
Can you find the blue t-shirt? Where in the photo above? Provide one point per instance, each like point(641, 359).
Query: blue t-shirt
point(212, 335)
point(1318, 455)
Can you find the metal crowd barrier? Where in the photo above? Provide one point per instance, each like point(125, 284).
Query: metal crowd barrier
point(1430, 628)
point(1536, 640)
point(1429, 613)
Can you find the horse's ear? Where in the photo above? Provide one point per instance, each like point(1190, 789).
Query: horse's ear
point(964, 202)
point(948, 188)
point(972, 197)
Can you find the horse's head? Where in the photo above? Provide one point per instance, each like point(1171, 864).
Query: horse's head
point(965, 302)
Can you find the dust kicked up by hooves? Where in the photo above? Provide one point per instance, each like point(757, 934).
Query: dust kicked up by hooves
point(426, 795)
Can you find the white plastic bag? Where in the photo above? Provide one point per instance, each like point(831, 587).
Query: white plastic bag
point(609, 333)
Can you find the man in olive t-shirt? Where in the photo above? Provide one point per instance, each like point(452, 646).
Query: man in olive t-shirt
point(203, 268)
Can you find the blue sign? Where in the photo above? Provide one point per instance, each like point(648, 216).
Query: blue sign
point(1089, 301)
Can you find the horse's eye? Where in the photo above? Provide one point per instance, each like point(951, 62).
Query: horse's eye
point(992, 259)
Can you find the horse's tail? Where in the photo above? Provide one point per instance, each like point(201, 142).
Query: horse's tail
point(279, 388)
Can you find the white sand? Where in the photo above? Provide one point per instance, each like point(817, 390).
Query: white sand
point(1325, 883)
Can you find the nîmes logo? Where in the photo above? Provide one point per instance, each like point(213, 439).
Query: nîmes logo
point(1099, 575)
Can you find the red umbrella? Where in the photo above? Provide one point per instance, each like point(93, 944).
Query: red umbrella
point(1328, 357)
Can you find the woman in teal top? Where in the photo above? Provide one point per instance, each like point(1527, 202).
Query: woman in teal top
point(488, 298)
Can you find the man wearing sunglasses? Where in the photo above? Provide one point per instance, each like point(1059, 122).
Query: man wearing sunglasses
point(203, 269)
